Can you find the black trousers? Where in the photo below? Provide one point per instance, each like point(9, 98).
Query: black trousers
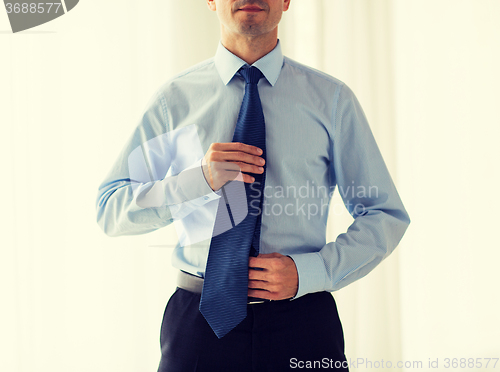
point(275, 336)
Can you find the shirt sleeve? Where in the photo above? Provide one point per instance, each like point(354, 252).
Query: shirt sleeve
point(141, 193)
point(370, 196)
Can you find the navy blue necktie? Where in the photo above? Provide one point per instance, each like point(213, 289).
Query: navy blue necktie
point(225, 288)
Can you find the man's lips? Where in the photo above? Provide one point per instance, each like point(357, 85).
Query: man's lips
point(251, 9)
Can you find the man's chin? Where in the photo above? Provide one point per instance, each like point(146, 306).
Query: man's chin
point(251, 30)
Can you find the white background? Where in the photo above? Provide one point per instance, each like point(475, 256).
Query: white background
point(72, 90)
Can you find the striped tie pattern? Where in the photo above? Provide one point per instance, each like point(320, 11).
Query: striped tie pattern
point(224, 296)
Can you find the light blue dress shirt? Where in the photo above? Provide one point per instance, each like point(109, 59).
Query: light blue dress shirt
point(317, 138)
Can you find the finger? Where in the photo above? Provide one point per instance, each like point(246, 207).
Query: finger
point(237, 146)
point(235, 167)
point(249, 168)
point(259, 293)
point(266, 295)
point(220, 166)
point(226, 171)
point(237, 156)
point(259, 262)
point(248, 179)
point(264, 286)
point(257, 275)
point(269, 261)
point(220, 162)
point(258, 284)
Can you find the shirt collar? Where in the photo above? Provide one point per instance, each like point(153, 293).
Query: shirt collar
point(228, 64)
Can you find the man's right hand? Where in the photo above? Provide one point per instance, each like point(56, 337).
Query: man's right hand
point(223, 162)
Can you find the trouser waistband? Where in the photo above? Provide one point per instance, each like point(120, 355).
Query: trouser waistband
point(193, 283)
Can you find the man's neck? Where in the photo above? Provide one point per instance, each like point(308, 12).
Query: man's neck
point(250, 48)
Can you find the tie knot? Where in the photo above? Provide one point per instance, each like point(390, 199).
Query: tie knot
point(251, 74)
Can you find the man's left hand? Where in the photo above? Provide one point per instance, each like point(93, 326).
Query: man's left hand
point(277, 279)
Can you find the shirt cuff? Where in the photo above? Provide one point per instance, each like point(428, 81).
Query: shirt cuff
point(194, 186)
point(311, 271)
